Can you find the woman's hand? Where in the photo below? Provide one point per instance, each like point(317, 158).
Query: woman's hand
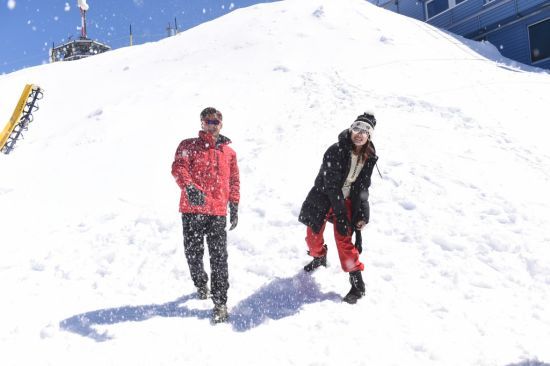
point(360, 225)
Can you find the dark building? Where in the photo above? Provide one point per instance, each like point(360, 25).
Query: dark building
point(520, 29)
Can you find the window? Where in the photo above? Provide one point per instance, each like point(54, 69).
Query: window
point(539, 40)
point(434, 7)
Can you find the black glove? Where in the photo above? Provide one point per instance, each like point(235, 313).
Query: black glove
point(233, 214)
point(194, 195)
point(358, 241)
point(343, 225)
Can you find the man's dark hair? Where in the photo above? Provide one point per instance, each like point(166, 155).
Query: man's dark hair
point(211, 110)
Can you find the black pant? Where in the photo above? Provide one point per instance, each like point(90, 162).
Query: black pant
point(195, 227)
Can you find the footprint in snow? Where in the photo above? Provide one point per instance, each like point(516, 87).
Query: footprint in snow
point(407, 205)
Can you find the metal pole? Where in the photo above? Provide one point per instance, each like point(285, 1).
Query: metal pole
point(83, 30)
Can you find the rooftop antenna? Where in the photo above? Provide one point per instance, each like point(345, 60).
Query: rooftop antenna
point(83, 9)
point(131, 36)
point(170, 30)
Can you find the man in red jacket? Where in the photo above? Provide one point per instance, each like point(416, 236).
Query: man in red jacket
point(205, 168)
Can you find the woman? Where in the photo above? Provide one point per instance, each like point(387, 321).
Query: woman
point(341, 195)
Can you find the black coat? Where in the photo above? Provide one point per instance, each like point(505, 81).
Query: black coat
point(327, 190)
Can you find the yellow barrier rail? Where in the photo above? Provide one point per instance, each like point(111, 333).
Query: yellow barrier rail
point(21, 117)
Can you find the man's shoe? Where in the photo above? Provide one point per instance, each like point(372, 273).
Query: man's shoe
point(316, 263)
point(357, 288)
point(220, 314)
point(203, 292)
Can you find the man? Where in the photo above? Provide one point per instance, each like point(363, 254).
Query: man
point(341, 195)
point(205, 169)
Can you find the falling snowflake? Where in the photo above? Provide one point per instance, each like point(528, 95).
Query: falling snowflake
point(11, 4)
point(231, 6)
point(67, 7)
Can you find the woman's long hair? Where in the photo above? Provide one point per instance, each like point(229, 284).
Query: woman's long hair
point(366, 151)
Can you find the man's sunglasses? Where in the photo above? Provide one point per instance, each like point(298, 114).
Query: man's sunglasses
point(212, 122)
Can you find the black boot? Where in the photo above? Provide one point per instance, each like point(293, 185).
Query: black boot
point(357, 288)
point(316, 262)
point(220, 314)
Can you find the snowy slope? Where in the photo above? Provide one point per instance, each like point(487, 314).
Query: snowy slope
point(457, 251)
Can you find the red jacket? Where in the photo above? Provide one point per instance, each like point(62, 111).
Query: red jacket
point(212, 168)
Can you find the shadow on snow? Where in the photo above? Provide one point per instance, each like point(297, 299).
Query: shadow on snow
point(530, 363)
point(279, 299)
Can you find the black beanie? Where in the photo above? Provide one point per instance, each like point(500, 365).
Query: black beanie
point(367, 117)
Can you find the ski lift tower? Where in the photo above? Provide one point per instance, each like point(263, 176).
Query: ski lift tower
point(78, 48)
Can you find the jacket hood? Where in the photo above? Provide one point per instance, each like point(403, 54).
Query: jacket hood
point(344, 138)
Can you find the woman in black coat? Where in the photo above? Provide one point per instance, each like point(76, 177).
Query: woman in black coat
point(341, 195)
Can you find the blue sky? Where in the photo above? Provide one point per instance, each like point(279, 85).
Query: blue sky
point(28, 27)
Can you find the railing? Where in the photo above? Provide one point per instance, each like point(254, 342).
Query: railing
point(516, 10)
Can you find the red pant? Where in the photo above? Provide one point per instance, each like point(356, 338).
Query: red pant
point(349, 256)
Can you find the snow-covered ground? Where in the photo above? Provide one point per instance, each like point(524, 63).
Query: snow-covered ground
point(457, 253)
